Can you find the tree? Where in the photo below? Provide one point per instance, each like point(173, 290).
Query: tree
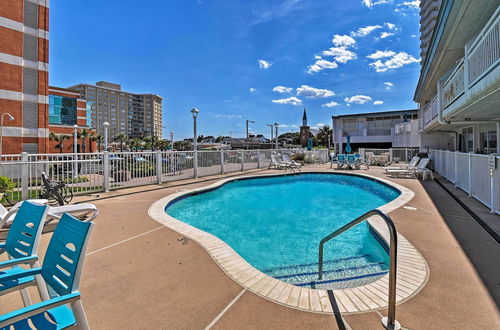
point(120, 138)
point(99, 138)
point(92, 138)
point(83, 135)
point(59, 139)
point(323, 136)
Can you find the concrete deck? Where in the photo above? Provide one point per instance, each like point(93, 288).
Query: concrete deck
point(141, 275)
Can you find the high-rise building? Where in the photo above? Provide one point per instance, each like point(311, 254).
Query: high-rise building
point(429, 10)
point(127, 113)
point(24, 57)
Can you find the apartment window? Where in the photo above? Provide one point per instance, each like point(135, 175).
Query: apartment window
point(467, 139)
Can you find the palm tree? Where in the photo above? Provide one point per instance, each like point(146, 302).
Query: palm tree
point(99, 139)
point(83, 135)
point(324, 134)
point(120, 138)
point(92, 138)
point(59, 139)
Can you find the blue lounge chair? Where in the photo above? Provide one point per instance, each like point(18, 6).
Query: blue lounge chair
point(61, 272)
point(351, 161)
point(21, 245)
point(341, 161)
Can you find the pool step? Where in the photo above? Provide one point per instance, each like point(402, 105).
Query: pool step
point(337, 273)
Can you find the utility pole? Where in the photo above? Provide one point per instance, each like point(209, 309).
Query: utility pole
point(276, 125)
point(248, 121)
point(271, 125)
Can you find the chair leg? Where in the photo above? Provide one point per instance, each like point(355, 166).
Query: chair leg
point(26, 297)
point(81, 318)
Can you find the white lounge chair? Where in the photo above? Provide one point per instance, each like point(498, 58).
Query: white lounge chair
point(291, 163)
point(84, 212)
point(414, 172)
point(412, 164)
point(276, 164)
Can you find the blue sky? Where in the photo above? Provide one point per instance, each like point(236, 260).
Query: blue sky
point(262, 60)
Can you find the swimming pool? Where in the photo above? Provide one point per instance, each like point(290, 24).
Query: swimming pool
point(276, 223)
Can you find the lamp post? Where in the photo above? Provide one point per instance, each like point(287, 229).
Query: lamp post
point(272, 129)
point(75, 137)
point(106, 128)
point(195, 113)
point(276, 125)
point(1, 129)
point(248, 121)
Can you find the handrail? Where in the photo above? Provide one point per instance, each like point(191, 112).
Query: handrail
point(389, 322)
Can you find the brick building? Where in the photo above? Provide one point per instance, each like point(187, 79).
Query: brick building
point(24, 42)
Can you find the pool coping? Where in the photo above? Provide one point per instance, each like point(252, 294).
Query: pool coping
point(413, 271)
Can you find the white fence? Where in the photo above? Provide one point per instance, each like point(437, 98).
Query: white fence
point(395, 154)
point(470, 172)
point(96, 172)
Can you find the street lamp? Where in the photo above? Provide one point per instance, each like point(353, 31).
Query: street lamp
point(271, 125)
point(276, 125)
point(195, 113)
point(1, 129)
point(106, 128)
point(248, 121)
point(75, 137)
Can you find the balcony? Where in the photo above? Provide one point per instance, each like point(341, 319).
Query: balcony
point(430, 113)
point(469, 89)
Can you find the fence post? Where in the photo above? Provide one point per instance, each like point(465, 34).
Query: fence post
point(258, 158)
point(242, 160)
point(105, 161)
point(159, 165)
point(24, 176)
point(221, 161)
point(456, 169)
point(470, 175)
point(195, 163)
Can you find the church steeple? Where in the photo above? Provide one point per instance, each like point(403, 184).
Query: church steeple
point(304, 118)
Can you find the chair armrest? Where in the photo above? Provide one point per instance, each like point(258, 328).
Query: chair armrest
point(20, 274)
point(23, 313)
point(19, 261)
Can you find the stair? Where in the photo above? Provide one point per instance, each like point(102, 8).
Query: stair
point(337, 273)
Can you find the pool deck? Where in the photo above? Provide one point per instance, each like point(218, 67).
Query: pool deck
point(140, 274)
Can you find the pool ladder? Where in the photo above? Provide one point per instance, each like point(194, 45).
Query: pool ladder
point(389, 322)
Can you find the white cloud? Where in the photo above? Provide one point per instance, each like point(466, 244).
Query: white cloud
point(228, 116)
point(413, 36)
point(252, 90)
point(381, 54)
point(388, 85)
point(378, 102)
point(330, 104)
point(384, 35)
point(395, 61)
point(358, 99)
point(282, 89)
point(371, 3)
point(263, 64)
point(343, 40)
point(340, 54)
point(364, 31)
point(313, 93)
point(321, 64)
point(291, 100)
point(414, 4)
point(390, 26)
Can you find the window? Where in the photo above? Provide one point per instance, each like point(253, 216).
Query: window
point(62, 110)
point(467, 139)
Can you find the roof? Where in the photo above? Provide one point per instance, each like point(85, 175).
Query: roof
point(383, 113)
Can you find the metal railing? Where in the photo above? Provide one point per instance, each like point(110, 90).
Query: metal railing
point(390, 321)
point(95, 172)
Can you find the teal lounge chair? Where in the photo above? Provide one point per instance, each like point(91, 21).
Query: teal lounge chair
point(351, 162)
point(61, 272)
point(341, 161)
point(21, 245)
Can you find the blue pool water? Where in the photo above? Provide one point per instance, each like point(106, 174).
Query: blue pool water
point(276, 224)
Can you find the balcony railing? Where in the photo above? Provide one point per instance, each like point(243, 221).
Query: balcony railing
point(482, 55)
point(430, 111)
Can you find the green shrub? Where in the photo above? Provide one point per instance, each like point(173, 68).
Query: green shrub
point(6, 184)
point(298, 157)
